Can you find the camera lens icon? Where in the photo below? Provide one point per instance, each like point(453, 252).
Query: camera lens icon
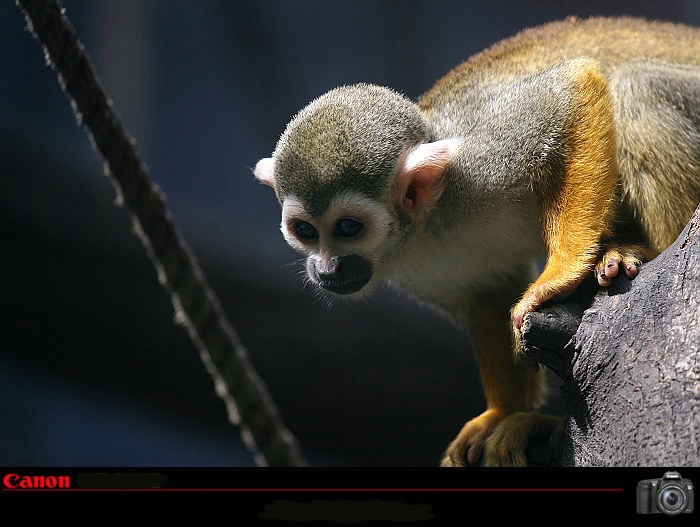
point(672, 500)
point(668, 495)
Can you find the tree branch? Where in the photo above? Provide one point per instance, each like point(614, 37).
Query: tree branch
point(629, 356)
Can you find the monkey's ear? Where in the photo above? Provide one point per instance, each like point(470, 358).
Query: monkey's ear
point(265, 171)
point(419, 174)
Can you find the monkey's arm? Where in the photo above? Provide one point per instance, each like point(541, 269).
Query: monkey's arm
point(577, 209)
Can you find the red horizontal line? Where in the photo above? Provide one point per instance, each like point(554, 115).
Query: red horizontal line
point(338, 490)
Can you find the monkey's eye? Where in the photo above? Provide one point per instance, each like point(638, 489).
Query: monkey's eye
point(305, 230)
point(347, 227)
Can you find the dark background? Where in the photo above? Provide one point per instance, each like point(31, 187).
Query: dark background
point(93, 371)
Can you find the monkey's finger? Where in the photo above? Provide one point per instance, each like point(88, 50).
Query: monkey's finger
point(611, 268)
point(631, 269)
point(628, 258)
point(474, 452)
point(603, 279)
point(517, 320)
point(608, 268)
point(447, 461)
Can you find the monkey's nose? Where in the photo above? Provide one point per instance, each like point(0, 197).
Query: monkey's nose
point(328, 268)
point(342, 274)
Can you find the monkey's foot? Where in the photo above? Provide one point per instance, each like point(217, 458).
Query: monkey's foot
point(626, 257)
point(499, 440)
point(466, 448)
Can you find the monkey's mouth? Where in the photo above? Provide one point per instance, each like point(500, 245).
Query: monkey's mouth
point(342, 275)
point(345, 288)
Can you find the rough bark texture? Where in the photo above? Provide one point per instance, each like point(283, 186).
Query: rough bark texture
point(629, 356)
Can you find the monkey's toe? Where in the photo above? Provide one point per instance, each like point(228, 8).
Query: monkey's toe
point(506, 445)
point(627, 258)
point(467, 447)
point(499, 439)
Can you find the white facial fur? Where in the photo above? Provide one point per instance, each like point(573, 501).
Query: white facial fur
point(371, 242)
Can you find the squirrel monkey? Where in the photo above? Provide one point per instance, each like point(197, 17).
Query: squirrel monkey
point(578, 140)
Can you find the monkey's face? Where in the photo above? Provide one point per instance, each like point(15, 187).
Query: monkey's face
point(354, 175)
point(344, 245)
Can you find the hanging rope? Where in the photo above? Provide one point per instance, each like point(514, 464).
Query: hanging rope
point(248, 403)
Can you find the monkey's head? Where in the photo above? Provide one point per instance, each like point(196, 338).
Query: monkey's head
point(355, 176)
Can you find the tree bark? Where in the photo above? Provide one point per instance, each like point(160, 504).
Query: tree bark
point(629, 358)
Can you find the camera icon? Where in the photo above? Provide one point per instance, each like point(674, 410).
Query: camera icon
point(669, 495)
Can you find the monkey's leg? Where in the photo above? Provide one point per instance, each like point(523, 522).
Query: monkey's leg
point(577, 211)
point(499, 435)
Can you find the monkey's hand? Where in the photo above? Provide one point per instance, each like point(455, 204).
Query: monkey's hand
point(499, 439)
point(557, 284)
point(541, 291)
point(626, 257)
